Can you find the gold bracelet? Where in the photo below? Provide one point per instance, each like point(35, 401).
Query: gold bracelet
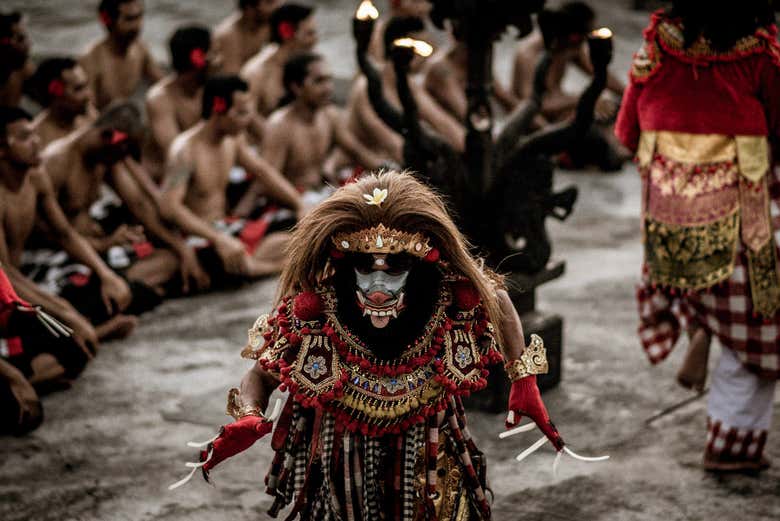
point(532, 361)
point(237, 410)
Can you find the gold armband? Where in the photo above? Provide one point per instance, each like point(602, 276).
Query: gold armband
point(532, 361)
point(237, 410)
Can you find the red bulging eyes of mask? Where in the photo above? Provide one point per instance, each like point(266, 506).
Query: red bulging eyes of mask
point(198, 58)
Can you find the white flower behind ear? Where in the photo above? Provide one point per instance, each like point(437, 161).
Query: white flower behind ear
point(377, 198)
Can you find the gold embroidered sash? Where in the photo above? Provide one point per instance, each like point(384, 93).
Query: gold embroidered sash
point(701, 195)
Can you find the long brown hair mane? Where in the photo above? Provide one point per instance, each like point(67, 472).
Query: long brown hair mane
point(410, 206)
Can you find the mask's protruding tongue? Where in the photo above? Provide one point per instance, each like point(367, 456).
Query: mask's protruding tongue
point(379, 322)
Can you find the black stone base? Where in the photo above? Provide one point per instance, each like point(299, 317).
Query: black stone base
point(495, 396)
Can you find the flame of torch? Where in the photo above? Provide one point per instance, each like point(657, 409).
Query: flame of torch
point(602, 33)
point(420, 47)
point(366, 11)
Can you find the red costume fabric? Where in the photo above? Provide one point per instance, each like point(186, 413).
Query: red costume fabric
point(8, 300)
point(707, 104)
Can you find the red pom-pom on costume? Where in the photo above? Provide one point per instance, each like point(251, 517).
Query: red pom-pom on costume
point(465, 296)
point(237, 437)
point(307, 306)
point(432, 256)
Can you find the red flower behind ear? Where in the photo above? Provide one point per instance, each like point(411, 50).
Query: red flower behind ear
point(117, 136)
point(105, 18)
point(286, 30)
point(219, 105)
point(56, 88)
point(198, 58)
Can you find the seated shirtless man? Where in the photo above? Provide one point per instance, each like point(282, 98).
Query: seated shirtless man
point(293, 30)
point(26, 196)
point(120, 63)
point(563, 33)
point(242, 34)
point(78, 165)
point(197, 176)
point(446, 79)
point(300, 135)
point(36, 355)
point(366, 125)
point(61, 87)
point(15, 64)
point(173, 104)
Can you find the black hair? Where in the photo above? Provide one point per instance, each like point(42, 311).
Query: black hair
point(221, 87)
point(10, 115)
point(243, 4)
point(400, 27)
point(722, 22)
point(291, 13)
point(295, 71)
point(123, 116)
point(111, 7)
point(7, 22)
point(48, 70)
point(184, 41)
point(557, 25)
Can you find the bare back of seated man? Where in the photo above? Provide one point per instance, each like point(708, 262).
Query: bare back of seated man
point(80, 163)
point(242, 34)
point(62, 89)
point(197, 175)
point(15, 65)
point(173, 104)
point(293, 30)
point(27, 197)
point(446, 79)
point(120, 63)
point(300, 135)
point(366, 125)
point(563, 35)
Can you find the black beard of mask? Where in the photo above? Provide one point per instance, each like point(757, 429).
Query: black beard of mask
point(421, 294)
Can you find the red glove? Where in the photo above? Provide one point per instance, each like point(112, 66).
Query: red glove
point(234, 438)
point(524, 399)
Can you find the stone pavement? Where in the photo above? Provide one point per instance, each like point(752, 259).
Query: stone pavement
point(110, 446)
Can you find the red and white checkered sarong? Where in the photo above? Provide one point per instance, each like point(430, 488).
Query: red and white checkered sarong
point(726, 443)
point(724, 310)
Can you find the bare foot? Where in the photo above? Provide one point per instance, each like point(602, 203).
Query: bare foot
point(693, 373)
point(116, 327)
point(48, 375)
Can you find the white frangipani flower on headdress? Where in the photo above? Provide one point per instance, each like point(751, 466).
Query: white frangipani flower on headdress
point(377, 198)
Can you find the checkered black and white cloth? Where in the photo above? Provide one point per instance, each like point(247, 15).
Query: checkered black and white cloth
point(724, 310)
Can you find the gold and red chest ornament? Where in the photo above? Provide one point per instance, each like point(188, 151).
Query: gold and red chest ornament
point(325, 365)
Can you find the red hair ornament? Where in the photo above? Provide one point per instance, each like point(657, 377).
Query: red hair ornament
point(286, 30)
point(105, 18)
point(219, 105)
point(198, 58)
point(117, 137)
point(56, 88)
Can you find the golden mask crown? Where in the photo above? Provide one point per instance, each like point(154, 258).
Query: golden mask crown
point(380, 239)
